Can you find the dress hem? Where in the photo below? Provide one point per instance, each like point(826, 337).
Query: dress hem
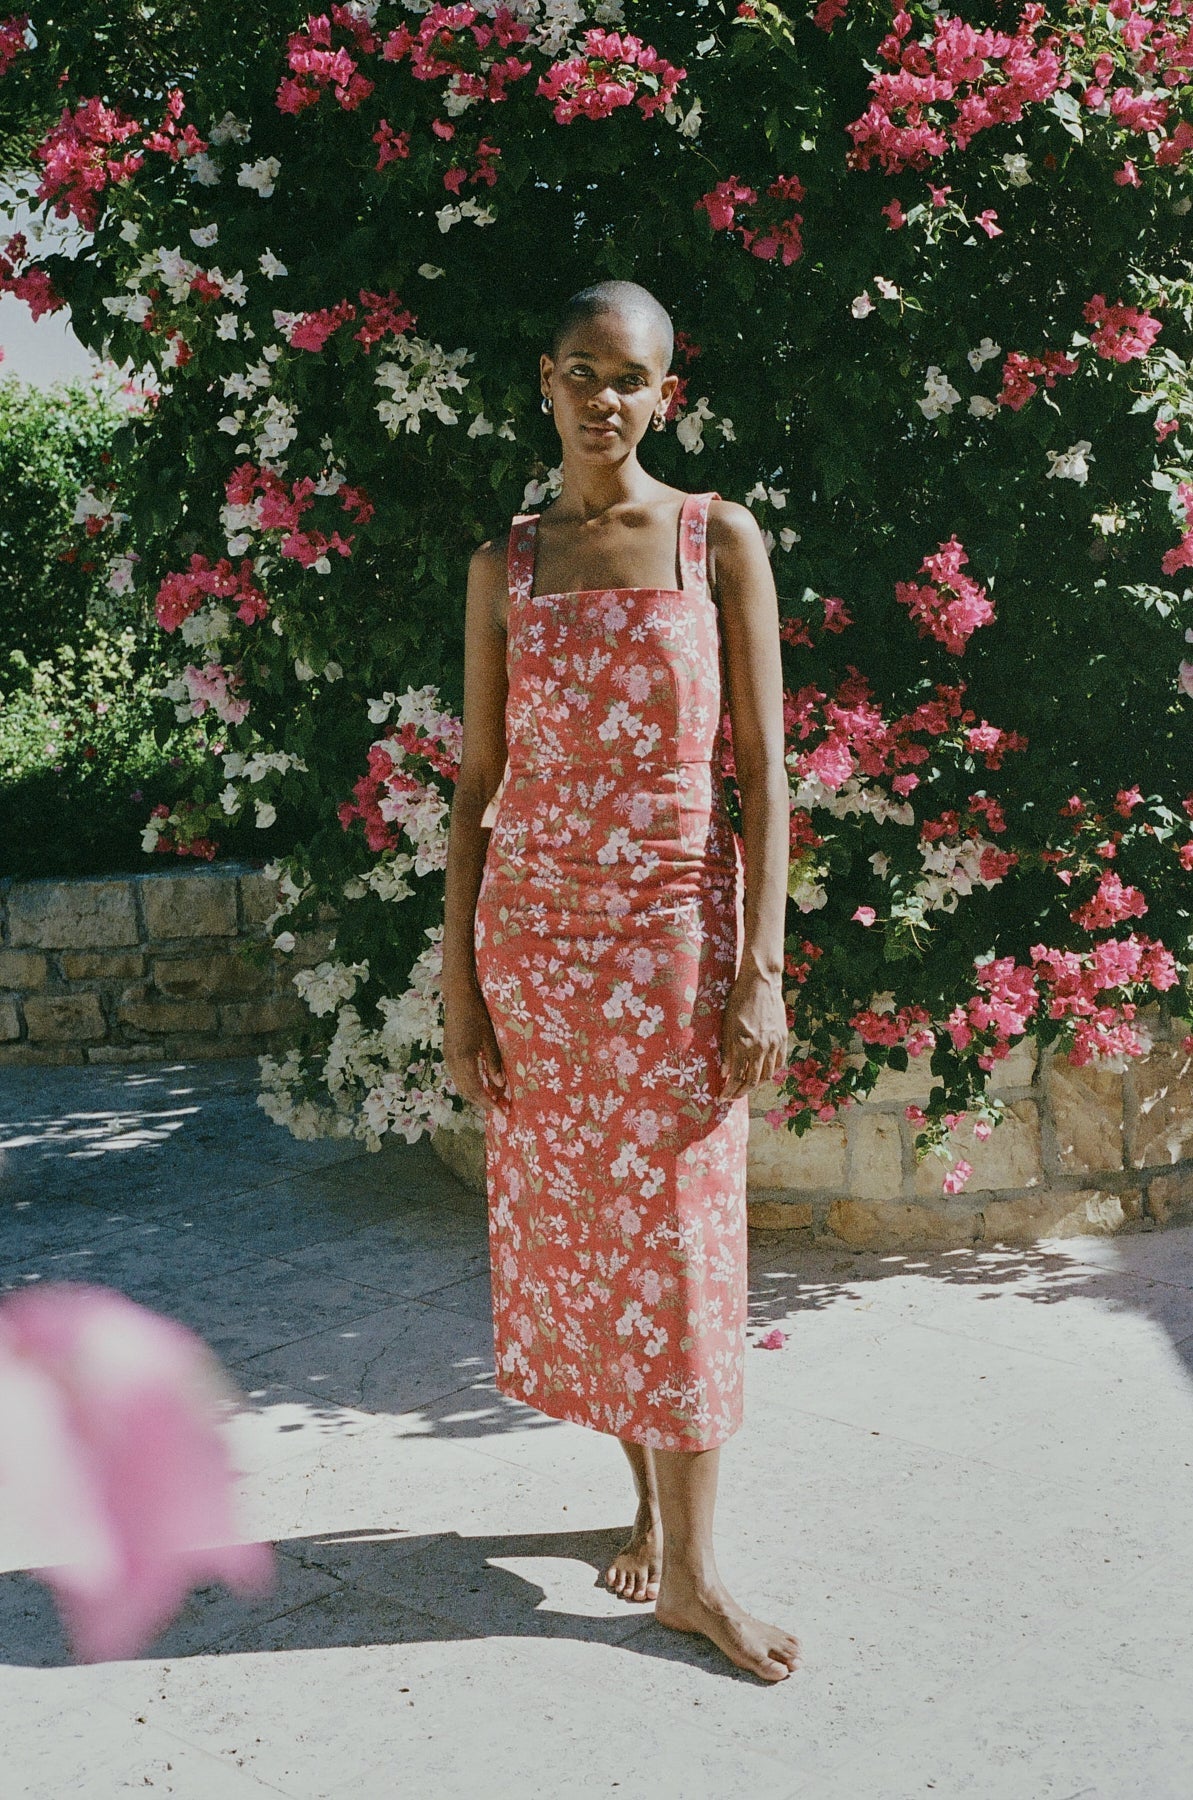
point(639, 1435)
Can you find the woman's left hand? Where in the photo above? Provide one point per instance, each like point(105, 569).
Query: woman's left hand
point(754, 1033)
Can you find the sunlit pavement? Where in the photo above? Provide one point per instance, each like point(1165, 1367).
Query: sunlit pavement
point(965, 1482)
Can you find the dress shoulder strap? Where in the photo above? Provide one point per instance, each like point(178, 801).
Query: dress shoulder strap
point(693, 543)
point(520, 555)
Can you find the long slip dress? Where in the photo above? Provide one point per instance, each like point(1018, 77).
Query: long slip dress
point(607, 936)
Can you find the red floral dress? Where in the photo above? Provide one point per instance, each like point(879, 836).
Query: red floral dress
point(607, 937)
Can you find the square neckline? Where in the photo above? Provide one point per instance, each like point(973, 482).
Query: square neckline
point(579, 593)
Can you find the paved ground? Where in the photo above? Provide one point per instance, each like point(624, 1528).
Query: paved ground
point(964, 1482)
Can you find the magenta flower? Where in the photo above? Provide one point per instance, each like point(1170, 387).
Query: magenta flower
point(774, 1340)
point(111, 1455)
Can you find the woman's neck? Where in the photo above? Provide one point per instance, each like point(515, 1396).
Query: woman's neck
point(588, 493)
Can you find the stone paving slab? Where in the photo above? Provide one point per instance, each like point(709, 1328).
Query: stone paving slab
point(964, 1482)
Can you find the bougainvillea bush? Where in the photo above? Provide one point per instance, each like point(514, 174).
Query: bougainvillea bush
point(930, 275)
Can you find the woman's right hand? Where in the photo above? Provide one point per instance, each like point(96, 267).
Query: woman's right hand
point(470, 1050)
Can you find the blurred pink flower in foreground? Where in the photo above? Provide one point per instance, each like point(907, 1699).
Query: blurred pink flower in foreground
point(111, 1451)
point(774, 1340)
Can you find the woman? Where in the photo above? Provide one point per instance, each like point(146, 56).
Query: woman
point(612, 984)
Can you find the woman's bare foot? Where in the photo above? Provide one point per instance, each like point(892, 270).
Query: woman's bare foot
point(634, 1571)
point(763, 1650)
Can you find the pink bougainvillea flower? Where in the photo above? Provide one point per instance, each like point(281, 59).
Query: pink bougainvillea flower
point(1109, 904)
point(865, 915)
point(27, 280)
point(184, 591)
point(113, 1460)
point(774, 1340)
point(1121, 333)
point(954, 1182)
point(12, 40)
point(986, 78)
point(950, 607)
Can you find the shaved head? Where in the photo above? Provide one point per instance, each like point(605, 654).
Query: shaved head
point(629, 301)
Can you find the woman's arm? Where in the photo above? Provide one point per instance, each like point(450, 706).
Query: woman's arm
point(754, 1036)
point(469, 1046)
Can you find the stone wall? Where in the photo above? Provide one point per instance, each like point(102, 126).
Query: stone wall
point(1080, 1151)
point(135, 968)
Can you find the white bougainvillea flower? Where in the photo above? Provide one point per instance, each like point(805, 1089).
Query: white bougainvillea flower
point(324, 986)
point(418, 378)
point(1071, 464)
point(940, 396)
point(690, 429)
point(862, 305)
point(120, 572)
point(261, 175)
point(536, 491)
point(229, 130)
point(202, 169)
point(269, 265)
point(983, 353)
point(686, 124)
point(447, 216)
point(982, 407)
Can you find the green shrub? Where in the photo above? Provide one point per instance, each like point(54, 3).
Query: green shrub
point(85, 751)
point(53, 444)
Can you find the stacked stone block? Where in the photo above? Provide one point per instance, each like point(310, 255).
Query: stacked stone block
point(1080, 1151)
point(140, 968)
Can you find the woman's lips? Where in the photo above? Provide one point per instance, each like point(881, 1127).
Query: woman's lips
point(602, 430)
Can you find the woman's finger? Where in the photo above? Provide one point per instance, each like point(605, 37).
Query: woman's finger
point(470, 1086)
point(494, 1082)
point(738, 1069)
point(490, 1057)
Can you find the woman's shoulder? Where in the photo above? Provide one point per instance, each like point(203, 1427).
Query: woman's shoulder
point(730, 522)
point(489, 562)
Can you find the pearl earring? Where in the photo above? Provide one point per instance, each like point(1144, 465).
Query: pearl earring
point(547, 403)
point(659, 421)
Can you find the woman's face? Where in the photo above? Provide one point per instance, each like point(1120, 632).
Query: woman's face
point(608, 374)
